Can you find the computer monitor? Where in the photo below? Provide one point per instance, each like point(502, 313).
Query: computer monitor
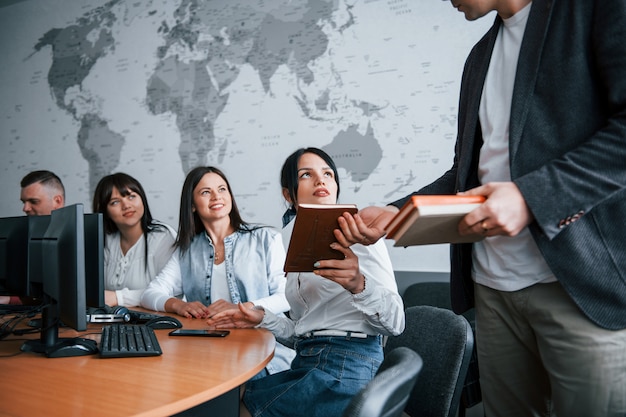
point(94, 259)
point(63, 278)
point(32, 285)
point(13, 254)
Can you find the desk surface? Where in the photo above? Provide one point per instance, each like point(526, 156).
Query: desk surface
point(191, 370)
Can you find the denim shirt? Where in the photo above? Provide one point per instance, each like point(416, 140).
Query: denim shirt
point(254, 272)
point(249, 256)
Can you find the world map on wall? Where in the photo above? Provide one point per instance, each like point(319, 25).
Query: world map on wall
point(163, 86)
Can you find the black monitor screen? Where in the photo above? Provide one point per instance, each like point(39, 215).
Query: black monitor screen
point(37, 226)
point(63, 277)
point(13, 254)
point(94, 259)
point(64, 263)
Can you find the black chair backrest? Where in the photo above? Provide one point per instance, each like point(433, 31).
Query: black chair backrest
point(444, 341)
point(388, 392)
point(437, 294)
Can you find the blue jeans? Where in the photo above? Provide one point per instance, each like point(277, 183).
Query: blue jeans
point(260, 375)
point(324, 376)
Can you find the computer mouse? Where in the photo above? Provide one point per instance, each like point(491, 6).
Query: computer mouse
point(164, 322)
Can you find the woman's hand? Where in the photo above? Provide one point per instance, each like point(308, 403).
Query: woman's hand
point(223, 305)
point(110, 298)
point(245, 316)
point(344, 272)
point(194, 309)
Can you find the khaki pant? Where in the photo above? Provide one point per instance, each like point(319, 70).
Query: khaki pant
point(539, 355)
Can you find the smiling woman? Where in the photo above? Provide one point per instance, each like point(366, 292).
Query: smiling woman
point(137, 247)
point(220, 260)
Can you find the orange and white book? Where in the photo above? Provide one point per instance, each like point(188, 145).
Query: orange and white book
point(432, 219)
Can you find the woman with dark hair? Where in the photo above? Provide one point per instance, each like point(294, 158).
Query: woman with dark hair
point(339, 312)
point(136, 247)
point(220, 260)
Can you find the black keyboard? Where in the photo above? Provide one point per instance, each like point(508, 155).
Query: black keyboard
point(128, 340)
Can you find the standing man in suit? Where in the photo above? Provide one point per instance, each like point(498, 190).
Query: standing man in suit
point(542, 134)
point(42, 192)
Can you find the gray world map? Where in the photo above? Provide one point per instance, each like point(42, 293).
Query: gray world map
point(220, 37)
point(156, 87)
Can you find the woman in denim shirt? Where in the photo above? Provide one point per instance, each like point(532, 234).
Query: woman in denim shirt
point(220, 260)
point(338, 314)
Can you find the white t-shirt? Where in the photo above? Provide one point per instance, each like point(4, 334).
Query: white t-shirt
point(219, 284)
point(501, 262)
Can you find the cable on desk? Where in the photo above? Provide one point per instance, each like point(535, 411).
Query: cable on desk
point(7, 328)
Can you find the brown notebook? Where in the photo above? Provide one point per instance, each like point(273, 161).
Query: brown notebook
point(432, 219)
point(312, 235)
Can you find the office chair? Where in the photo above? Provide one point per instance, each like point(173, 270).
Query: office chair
point(444, 341)
point(388, 392)
point(437, 294)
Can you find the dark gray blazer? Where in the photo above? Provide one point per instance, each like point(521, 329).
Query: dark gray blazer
point(567, 149)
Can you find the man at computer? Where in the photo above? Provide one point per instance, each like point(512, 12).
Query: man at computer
point(42, 191)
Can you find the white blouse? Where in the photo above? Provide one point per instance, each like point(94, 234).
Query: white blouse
point(318, 303)
point(129, 275)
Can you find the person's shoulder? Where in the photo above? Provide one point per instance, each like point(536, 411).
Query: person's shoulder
point(111, 238)
point(159, 228)
point(261, 231)
point(158, 225)
point(258, 229)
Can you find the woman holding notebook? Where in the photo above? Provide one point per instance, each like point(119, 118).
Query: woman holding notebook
point(338, 314)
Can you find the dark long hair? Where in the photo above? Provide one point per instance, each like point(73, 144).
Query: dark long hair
point(289, 173)
point(189, 223)
point(125, 184)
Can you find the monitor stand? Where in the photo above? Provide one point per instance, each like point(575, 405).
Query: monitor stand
point(64, 347)
point(54, 347)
